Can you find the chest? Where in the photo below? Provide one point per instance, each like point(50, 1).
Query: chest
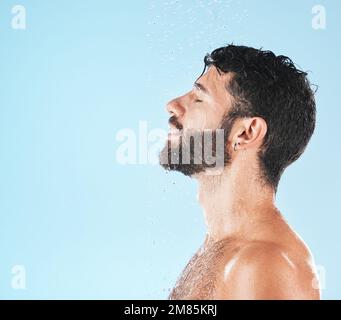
point(199, 278)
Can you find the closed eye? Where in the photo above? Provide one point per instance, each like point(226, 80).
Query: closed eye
point(197, 100)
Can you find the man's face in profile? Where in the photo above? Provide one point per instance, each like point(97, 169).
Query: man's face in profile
point(195, 118)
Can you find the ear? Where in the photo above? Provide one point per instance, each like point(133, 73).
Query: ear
point(249, 134)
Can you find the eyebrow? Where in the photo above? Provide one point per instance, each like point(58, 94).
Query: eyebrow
point(199, 86)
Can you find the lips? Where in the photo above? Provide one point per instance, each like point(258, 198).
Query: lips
point(175, 129)
point(174, 133)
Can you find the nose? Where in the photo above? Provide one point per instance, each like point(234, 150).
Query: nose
point(175, 108)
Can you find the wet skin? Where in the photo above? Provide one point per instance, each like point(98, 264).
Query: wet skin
point(250, 251)
point(236, 268)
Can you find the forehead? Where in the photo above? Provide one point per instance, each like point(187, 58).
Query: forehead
point(216, 82)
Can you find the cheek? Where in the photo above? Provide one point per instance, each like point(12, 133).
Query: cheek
point(196, 119)
point(204, 117)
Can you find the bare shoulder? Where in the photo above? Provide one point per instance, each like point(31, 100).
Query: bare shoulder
point(267, 270)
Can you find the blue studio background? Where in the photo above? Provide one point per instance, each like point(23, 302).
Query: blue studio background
point(82, 224)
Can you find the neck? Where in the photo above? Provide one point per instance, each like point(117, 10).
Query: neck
point(235, 203)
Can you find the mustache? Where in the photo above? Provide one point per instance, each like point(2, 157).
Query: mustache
point(174, 121)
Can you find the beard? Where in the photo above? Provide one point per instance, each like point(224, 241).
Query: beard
point(197, 151)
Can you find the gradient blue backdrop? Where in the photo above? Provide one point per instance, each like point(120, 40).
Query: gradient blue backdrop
point(85, 226)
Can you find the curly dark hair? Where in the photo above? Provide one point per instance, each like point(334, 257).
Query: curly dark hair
point(270, 87)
